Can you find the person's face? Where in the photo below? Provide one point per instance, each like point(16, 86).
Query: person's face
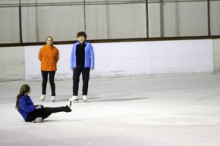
point(49, 41)
point(81, 39)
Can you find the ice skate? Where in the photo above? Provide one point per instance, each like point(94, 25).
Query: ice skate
point(38, 120)
point(42, 97)
point(73, 99)
point(53, 98)
point(84, 98)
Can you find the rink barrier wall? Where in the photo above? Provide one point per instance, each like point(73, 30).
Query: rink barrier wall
point(119, 58)
point(216, 57)
point(12, 63)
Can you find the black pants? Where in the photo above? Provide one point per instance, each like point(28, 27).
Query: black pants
point(51, 79)
point(43, 113)
point(85, 76)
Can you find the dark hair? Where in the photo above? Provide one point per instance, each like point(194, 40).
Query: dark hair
point(81, 33)
point(24, 89)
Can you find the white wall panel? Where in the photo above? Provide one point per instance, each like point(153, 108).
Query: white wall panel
point(216, 55)
point(215, 19)
point(11, 63)
point(9, 25)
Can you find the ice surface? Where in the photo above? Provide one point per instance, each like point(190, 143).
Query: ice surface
point(122, 111)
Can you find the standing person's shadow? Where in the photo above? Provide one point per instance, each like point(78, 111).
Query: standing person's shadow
point(64, 98)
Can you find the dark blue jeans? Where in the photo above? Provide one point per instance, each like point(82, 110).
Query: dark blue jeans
point(76, 77)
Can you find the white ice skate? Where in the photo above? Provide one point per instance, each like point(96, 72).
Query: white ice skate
point(38, 120)
point(84, 98)
point(53, 98)
point(42, 97)
point(73, 99)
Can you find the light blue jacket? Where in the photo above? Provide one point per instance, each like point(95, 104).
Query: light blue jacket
point(89, 56)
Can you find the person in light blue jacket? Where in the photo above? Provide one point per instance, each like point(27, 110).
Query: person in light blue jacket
point(31, 112)
point(82, 61)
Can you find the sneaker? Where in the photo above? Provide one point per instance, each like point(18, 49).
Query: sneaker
point(84, 98)
point(42, 97)
point(53, 98)
point(67, 109)
point(38, 120)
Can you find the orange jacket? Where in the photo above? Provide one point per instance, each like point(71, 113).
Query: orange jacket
point(49, 56)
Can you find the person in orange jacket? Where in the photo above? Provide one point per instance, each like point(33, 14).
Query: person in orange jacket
point(48, 56)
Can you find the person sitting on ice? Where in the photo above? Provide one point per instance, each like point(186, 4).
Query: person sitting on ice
point(34, 113)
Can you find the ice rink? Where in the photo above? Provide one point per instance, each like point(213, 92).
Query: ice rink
point(122, 111)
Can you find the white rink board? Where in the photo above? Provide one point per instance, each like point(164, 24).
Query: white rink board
point(133, 58)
